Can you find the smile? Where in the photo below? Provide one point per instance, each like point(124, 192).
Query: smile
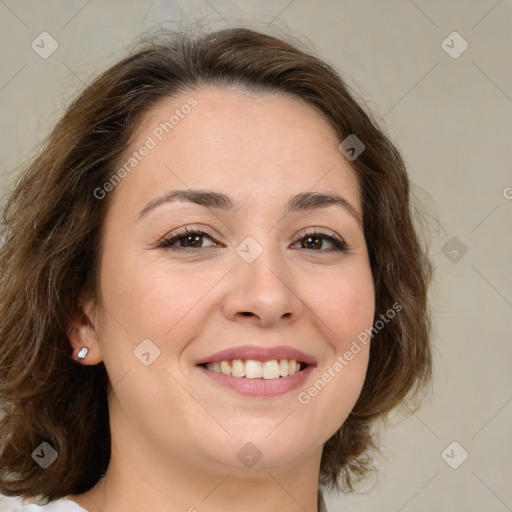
point(253, 369)
point(258, 371)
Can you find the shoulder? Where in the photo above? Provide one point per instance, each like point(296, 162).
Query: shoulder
point(61, 505)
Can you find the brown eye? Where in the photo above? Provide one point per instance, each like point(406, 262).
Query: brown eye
point(187, 240)
point(312, 242)
point(190, 240)
point(315, 241)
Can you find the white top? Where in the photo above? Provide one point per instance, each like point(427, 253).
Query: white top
point(63, 505)
point(60, 505)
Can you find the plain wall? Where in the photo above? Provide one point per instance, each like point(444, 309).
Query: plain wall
point(452, 120)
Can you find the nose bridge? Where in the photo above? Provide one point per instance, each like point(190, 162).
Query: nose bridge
point(263, 280)
point(261, 263)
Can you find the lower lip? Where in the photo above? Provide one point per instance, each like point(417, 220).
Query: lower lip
point(259, 387)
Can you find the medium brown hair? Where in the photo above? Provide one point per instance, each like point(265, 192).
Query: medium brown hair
point(52, 224)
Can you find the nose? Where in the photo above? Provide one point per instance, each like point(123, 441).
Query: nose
point(263, 292)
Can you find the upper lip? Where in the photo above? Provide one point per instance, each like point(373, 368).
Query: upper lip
point(258, 353)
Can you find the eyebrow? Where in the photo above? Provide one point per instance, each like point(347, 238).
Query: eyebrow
point(209, 199)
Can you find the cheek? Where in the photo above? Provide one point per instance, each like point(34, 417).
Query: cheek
point(346, 305)
point(156, 300)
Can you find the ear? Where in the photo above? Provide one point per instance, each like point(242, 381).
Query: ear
point(82, 333)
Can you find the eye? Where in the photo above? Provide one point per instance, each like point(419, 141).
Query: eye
point(315, 240)
point(186, 239)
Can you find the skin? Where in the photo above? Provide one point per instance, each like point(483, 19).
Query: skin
point(176, 433)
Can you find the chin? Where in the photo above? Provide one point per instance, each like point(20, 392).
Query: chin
point(265, 445)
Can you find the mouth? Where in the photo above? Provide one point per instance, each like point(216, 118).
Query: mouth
point(258, 371)
point(254, 369)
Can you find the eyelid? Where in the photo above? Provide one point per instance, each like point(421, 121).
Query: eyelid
point(308, 231)
point(319, 231)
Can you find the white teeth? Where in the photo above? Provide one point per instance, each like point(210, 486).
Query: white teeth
point(225, 366)
point(238, 369)
point(271, 369)
point(253, 369)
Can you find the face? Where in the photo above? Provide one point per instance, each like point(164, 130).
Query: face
point(261, 270)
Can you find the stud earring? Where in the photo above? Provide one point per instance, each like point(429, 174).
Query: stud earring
point(82, 353)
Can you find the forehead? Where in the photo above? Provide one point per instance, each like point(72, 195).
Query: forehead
point(252, 144)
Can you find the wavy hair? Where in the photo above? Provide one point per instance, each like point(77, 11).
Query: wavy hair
point(52, 223)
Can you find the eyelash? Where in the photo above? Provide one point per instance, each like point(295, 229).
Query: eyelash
point(166, 243)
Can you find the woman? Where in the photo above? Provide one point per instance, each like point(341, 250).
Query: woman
point(212, 287)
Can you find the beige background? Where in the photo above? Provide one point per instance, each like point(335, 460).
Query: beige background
point(451, 118)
